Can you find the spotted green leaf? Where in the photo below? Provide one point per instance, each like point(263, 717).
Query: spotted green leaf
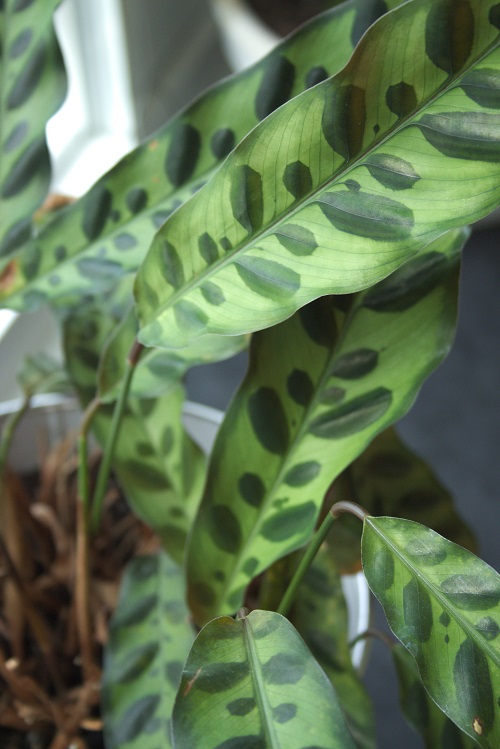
point(158, 371)
point(149, 639)
point(32, 87)
point(320, 615)
point(251, 683)
point(319, 387)
point(159, 467)
point(443, 603)
point(389, 479)
point(341, 185)
point(108, 231)
point(438, 731)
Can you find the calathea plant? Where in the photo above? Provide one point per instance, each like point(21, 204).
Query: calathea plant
point(312, 208)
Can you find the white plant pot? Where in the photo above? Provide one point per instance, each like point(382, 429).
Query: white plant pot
point(52, 416)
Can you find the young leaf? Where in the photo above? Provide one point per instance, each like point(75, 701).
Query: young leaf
point(319, 387)
point(32, 87)
point(253, 684)
point(438, 731)
point(108, 231)
point(149, 640)
point(443, 603)
point(340, 186)
point(158, 371)
point(320, 616)
point(389, 479)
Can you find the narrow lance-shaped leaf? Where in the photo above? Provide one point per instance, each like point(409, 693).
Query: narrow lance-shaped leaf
point(149, 639)
point(340, 186)
point(320, 386)
point(108, 231)
point(160, 468)
point(158, 371)
point(32, 87)
point(421, 712)
point(389, 479)
point(253, 684)
point(443, 603)
point(320, 615)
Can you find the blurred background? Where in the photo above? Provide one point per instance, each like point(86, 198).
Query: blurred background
point(131, 66)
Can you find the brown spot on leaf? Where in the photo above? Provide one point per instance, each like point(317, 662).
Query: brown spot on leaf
point(477, 726)
point(190, 683)
point(8, 276)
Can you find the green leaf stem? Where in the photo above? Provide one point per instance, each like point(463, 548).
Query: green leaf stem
point(389, 479)
point(107, 232)
point(320, 616)
point(319, 387)
point(159, 467)
point(32, 87)
point(341, 185)
point(443, 603)
point(149, 639)
point(253, 684)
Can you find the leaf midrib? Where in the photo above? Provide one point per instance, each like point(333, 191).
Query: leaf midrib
point(265, 709)
point(228, 588)
point(345, 169)
point(310, 412)
point(464, 623)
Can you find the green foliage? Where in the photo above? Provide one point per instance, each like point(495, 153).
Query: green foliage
point(315, 201)
point(106, 233)
point(342, 185)
point(241, 688)
point(149, 639)
point(32, 86)
point(315, 395)
point(443, 603)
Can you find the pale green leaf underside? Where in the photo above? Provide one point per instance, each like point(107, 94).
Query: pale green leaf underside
point(319, 387)
point(107, 232)
point(253, 684)
point(443, 603)
point(32, 87)
point(421, 712)
point(149, 640)
point(340, 186)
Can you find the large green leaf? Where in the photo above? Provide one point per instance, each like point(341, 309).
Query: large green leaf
point(159, 467)
point(421, 711)
point(251, 683)
point(158, 371)
point(340, 186)
point(443, 603)
point(32, 86)
point(320, 615)
point(109, 230)
point(320, 386)
point(149, 639)
point(389, 479)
